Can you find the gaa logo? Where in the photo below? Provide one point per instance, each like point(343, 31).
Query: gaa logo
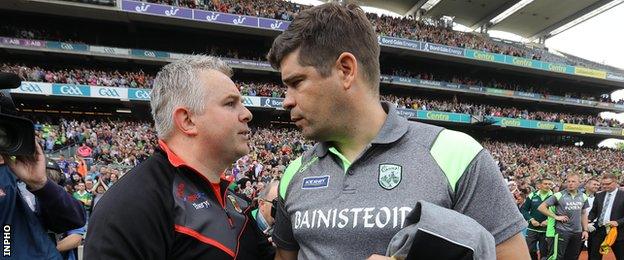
point(142, 94)
point(31, 88)
point(247, 101)
point(107, 92)
point(71, 90)
point(67, 46)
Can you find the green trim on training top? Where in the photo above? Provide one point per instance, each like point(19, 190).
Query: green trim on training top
point(254, 214)
point(289, 173)
point(550, 227)
point(345, 162)
point(454, 151)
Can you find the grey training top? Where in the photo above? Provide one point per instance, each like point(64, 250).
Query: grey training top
point(571, 206)
point(330, 208)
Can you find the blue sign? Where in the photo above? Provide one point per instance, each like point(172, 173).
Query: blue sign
point(139, 94)
point(315, 182)
point(71, 90)
point(443, 49)
point(398, 42)
point(273, 24)
point(272, 102)
point(67, 46)
point(523, 123)
point(149, 54)
point(156, 9)
point(434, 115)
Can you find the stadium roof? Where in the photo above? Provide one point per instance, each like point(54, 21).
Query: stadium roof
point(527, 18)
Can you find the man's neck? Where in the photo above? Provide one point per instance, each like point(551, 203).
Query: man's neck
point(542, 192)
point(185, 149)
point(573, 192)
point(362, 130)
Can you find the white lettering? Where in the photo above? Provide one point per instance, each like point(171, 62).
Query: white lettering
point(355, 215)
point(324, 218)
point(394, 216)
point(201, 205)
point(297, 219)
point(313, 218)
point(344, 218)
point(378, 222)
point(6, 241)
point(367, 216)
point(305, 220)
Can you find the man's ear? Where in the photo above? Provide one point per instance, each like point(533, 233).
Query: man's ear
point(347, 67)
point(183, 121)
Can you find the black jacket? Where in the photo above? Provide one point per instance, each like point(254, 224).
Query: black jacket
point(617, 210)
point(163, 209)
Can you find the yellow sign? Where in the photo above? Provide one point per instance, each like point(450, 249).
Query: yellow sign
point(480, 55)
point(556, 68)
point(522, 62)
point(510, 122)
point(546, 125)
point(590, 73)
point(438, 116)
point(578, 128)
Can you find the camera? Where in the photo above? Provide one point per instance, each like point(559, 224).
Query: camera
point(17, 134)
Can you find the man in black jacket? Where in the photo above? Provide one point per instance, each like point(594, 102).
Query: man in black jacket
point(607, 211)
point(175, 204)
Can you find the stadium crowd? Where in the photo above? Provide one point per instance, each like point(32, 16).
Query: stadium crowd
point(507, 83)
point(455, 106)
point(426, 30)
point(107, 149)
point(141, 79)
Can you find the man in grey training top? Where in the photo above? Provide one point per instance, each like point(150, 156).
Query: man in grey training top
point(571, 218)
point(350, 194)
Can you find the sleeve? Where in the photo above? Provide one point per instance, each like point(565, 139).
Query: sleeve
point(80, 231)
point(282, 230)
point(483, 195)
point(526, 208)
point(265, 249)
point(552, 200)
point(594, 210)
point(130, 222)
point(60, 212)
point(620, 221)
point(585, 204)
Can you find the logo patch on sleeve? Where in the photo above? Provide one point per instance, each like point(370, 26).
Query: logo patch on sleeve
point(316, 182)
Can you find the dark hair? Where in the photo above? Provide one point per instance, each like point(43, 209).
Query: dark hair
point(545, 178)
point(610, 176)
point(323, 32)
point(592, 179)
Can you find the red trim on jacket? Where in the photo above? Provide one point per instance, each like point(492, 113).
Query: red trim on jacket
point(178, 162)
point(202, 238)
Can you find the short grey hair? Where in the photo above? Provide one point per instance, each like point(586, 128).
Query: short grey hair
point(179, 84)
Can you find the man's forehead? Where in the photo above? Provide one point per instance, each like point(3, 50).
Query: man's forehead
point(218, 83)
